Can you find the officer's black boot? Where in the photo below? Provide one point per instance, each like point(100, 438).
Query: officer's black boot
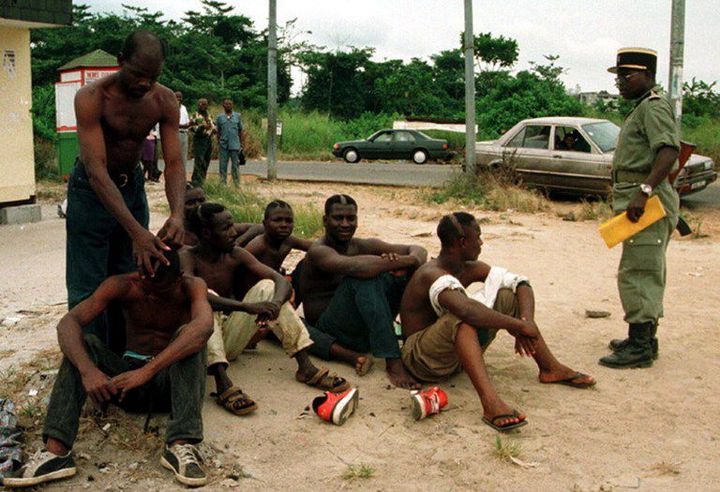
point(637, 352)
point(617, 344)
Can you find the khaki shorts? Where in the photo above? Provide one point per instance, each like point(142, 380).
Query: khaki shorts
point(430, 354)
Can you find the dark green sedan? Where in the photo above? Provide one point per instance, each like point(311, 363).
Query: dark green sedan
point(394, 144)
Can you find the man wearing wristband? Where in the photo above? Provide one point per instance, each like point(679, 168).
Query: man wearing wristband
point(646, 153)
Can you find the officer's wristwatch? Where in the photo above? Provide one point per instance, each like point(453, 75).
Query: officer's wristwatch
point(646, 189)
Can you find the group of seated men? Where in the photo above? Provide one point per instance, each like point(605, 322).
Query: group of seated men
point(225, 290)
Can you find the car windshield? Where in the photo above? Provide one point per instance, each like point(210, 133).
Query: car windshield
point(604, 134)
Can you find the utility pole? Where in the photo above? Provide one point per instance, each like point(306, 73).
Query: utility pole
point(469, 91)
point(272, 90)
point(677, 47)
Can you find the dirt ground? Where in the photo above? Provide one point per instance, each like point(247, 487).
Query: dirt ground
point(650, 429)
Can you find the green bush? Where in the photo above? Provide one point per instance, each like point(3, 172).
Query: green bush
point(46, 167)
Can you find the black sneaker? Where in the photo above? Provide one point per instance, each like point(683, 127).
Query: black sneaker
point(183, 461)
point(42, 467)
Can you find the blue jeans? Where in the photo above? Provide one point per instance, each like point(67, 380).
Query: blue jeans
point(98, 246)
point(360, 317)
point(234, 170)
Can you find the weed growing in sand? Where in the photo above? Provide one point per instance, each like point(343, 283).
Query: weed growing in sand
point(664, 469)
point(246, 205)
point(487, 191)
point(597, 210)
point(505, 450)
point(358, 471)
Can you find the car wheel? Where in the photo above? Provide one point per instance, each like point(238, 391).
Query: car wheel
point(351, 156)
point(420, 156)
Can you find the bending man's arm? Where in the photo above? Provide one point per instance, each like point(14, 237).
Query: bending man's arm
point(173, 230)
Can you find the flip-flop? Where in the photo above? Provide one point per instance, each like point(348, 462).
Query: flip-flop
point(571, 381)
point(235, 401)
point(508, 427)
point(323, 380)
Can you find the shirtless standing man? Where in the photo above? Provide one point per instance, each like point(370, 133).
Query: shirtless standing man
point(169, 321)
point(445, 330)
point(351, 290)
point(219, 262)
point(107, 216)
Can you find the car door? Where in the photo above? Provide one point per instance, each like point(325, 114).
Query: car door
point(403, 145)
point(380, 147)
point(529, 153)
point(578, 165)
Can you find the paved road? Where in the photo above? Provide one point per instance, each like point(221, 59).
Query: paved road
point(402, 174)
point(396, 173)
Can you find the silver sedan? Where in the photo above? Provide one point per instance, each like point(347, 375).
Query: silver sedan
point(574, 155)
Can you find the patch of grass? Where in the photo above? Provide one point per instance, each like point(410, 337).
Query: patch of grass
point(506, 449)
point(596, 210)
point(246, 205)
point(487, 191)
point(663, 469)
point(48, 190)
point(358, 472)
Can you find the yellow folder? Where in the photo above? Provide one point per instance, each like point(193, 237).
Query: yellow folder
point(619, 228)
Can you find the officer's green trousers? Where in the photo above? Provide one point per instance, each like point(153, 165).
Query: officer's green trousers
point(643, 271)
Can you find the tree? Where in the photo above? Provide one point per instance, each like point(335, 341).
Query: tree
point(493, 53)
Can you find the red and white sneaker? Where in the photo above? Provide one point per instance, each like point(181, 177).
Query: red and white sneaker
point(428, 402)
point(336, 408)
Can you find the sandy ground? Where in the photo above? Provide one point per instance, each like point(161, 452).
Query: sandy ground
point(648, 429)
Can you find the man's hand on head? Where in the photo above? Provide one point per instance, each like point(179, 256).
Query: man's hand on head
point(636, 207)
point(172, 232)
point(130, 380)
point(146, 248)
point(98, 386)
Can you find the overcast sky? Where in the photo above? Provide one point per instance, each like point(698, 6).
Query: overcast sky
point(584, 33)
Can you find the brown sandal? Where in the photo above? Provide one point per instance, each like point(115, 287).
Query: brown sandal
point(325, 381)
point(235, 401)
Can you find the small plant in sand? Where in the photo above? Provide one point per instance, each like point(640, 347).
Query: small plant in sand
point(596, 210)
point(506, 449)
point(358, 471)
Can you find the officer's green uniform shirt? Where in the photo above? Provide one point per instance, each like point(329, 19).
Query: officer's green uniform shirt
point(649, 127)
point(642, 270)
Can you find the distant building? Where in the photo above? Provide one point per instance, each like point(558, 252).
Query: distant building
point(17, 17)
point(592, 98)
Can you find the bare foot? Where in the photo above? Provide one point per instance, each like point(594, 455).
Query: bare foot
point(363, 363)
point(565, 375)
point(399, 376)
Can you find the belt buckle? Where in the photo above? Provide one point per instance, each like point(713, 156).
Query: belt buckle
point(122, 180)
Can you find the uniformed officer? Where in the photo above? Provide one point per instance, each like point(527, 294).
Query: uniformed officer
point(646, 153)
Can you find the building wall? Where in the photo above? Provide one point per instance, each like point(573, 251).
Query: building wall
point(17, 168)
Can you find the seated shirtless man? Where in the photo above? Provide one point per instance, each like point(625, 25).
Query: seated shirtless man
point(194, 197)
point(351, 290)
point(168, 322)
point(273, 246)
point(218, 261)
point(277, 240)
point(446, 330)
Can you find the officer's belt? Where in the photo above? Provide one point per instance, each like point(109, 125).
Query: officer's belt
point(621, 176)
